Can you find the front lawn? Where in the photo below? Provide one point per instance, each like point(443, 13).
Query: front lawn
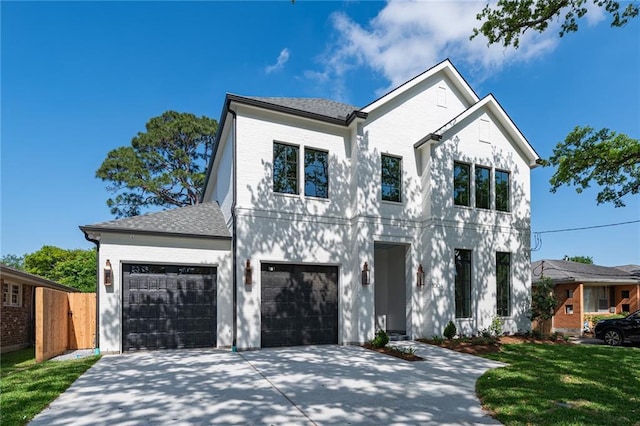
point(26, 388)
point(563, 385)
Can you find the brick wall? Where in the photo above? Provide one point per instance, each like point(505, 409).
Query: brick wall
point(568, 317)
point(16, 325)
point(633, 300)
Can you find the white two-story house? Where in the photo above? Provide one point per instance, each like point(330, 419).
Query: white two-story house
point(322, 222)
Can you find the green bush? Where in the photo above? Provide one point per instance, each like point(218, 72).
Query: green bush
point(450, 330)
point(496, 326)
point(381, 339)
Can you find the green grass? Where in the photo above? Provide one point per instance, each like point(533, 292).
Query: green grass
point(563, 385)
point(26, 388)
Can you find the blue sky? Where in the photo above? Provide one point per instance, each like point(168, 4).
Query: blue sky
point(79, 79)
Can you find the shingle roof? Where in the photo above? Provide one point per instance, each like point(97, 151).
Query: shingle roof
point(563, 270)
point(630, 269)
point(318, 106)
point(201, 220)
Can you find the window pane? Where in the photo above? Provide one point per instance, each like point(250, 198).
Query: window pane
point(285, 168)
point(483, 187)
point(502, 191)
point(391, 178)
point(316, 173)
point(5, 293)
point(463, 283)
point(503, 284)
point(461, 181)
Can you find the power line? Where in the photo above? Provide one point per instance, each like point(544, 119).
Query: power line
point(587, 227)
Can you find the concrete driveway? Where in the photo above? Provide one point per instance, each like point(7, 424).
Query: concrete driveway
point(304, 385)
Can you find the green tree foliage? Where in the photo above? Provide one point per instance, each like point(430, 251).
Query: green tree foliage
point(588, 260)
point(609, 159)
point(509, 19)
point(543, 300)
point(75, 268)
point(13, 261)
point(164, 166)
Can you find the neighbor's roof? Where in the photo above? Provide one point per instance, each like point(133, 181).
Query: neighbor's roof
point(563, 271)
point(630, 269)
point(17, 276)
point(199, 220)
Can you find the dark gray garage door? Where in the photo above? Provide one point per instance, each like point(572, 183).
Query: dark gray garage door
point(299, 305)
point(168, 306)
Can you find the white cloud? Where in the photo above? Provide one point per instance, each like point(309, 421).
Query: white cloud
point(283, 57)
point(408, 37)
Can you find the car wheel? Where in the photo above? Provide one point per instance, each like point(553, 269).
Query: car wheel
point(613, 337)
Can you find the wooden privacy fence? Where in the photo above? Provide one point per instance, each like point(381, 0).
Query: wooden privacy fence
point(64, 321)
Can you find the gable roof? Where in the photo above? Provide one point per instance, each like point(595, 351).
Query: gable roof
point(630, 269)
point(564, 271)
point(315, 108)
point(490, 103)
point(445, 67)
point(203, 220)
point(21, 277)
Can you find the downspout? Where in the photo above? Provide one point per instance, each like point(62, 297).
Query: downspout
point(97, 336)
point(234, 257)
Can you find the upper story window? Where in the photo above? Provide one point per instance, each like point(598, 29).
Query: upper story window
point(12, 295)
point(461, 184)
point(502, 191)
point(285, 168)
point(391, 178)
point(483, 187)
point(316, 173)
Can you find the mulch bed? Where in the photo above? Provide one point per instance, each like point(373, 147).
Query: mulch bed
point(393, 352)
point(481, 346)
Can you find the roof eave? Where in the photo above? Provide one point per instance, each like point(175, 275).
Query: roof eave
point(99, 229)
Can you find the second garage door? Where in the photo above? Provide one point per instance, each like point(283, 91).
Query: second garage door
point(168, 306)
point(299, 305)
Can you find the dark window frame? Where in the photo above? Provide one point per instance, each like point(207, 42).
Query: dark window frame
point(623, 292)
point(503, 284)
point(503, 201)
point(321, 189)
point(388, 180)
point(290, 183)
point(463, 279)
point(483, 196)
point(461, 196)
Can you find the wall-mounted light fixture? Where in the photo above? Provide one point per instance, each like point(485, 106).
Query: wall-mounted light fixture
point(108, 273)
point(248, 273)
point(365, 274)
point(420, 276)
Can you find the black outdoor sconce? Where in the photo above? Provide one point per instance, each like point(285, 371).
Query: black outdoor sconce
point(420, 276)
point(365, 274)
point(108, 273)
point(248, 273)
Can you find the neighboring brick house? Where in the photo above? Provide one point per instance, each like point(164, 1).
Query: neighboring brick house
point(586, 290)
point(17, 311)
point(404, 214)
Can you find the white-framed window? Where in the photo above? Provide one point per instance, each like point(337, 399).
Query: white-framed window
point(12, 294)
point(391, 178)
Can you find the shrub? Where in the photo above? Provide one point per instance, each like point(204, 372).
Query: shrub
point(496, 326)
point(381, 339)
point(450, 330)
point(437, 340)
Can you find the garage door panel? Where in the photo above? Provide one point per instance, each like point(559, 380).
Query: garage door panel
point(167, 306)
point(299, 305)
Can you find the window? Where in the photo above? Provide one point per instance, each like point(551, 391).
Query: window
point(568, 309)
point(502, 191)
point(461, 184)
point(569, 294)
point(626, 307)
point(483, 187)
point(12, 295)
point(463, 283)
point(316, 173)
point(285, 168)
point(624, 294)
point(596, 299)
point(503, 284)
point(391, 178)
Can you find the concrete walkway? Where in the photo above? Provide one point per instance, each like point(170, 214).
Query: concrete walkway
point(304, 385)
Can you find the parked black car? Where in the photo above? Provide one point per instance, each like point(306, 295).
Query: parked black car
point(615, 331)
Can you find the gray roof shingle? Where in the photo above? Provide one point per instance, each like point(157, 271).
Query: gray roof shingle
point(201, 220)
point(318, 106)
point(563, 270)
